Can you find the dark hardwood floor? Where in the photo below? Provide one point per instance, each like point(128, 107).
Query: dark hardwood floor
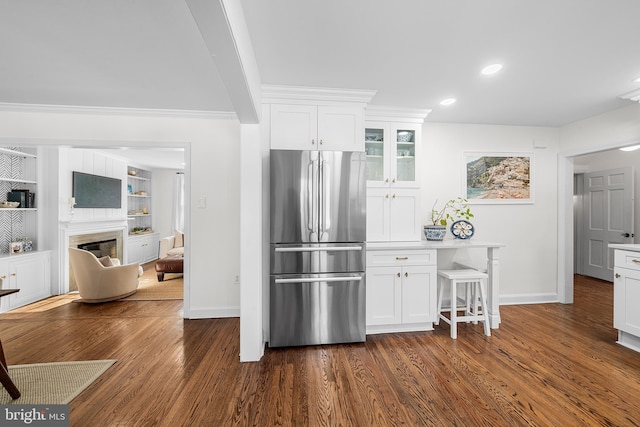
point(547, 365)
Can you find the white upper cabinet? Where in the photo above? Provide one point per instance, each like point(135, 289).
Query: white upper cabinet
point(393, 151)
point(315, 119)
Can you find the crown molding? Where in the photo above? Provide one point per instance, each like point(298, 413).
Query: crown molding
point(272, 94)
point(116, 111)
point(634, 95)
point(396, 114)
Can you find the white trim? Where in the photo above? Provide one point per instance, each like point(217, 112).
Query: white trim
point(213, 313)
point(395, 114)
point(272, 94)
point(521, 299)
point(115, 111)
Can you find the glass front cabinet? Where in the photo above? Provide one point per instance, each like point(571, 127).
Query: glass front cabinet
point(392, 150)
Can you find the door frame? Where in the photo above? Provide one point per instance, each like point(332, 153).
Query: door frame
point(565, 218)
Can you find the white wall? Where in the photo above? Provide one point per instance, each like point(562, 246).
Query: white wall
point(529, 231)
point(212, 173)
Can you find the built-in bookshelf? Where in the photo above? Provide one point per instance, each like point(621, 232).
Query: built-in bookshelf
point(139, 200)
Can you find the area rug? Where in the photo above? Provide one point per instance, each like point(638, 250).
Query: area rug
point(54, 383)
point(149, 289)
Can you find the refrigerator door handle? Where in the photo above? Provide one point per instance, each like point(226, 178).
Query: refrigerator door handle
point(326, 196)
point(320, 249)
point(319, 279)
point(310, 193)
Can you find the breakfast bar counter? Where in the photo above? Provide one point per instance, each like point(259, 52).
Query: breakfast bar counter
point(492, 269)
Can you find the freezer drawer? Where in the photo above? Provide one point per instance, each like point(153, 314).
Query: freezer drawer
point(318, 258)
point(317, 309)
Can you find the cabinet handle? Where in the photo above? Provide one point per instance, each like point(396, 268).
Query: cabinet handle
point(393, 181)
point(386, 180)
point(386, 196)
point(313, 142)
point(636, 261)
point(394, 196)
point(321, 142)
point(3, 277)
point(406, 274)
point(617, 276)
point(13, 274)
point(402, 258)
point(398, 274)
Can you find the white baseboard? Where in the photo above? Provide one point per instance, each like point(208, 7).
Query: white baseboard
point(528, 299)
point(213, 313)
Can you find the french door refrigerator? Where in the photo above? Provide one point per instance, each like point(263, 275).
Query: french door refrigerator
point(318, 217)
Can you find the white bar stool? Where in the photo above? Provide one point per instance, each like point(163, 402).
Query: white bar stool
point(475, 282)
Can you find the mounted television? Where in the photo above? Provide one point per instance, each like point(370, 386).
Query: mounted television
point(94, 191)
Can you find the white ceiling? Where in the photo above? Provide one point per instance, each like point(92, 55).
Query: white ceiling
point(563, 60)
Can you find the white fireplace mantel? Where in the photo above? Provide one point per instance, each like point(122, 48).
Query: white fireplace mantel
point(67, 229)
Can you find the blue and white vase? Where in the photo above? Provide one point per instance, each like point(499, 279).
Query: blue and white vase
point(435, 232)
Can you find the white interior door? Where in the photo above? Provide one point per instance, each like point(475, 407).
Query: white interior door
point(608, 210)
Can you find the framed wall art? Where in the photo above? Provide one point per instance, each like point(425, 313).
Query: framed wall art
point(498, 177)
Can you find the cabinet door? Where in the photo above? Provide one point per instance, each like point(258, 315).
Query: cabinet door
point(340, 128)
point(134, 250)
point(626, 296)
point(405, 140)
point(384, 299)
point(377, 214)
point(150, 248)
point(404, 215)
point(418, 294)
point(294, 127)
point(31, 274)
point(377, 142)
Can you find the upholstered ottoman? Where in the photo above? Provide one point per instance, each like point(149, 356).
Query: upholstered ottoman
point(170, 264)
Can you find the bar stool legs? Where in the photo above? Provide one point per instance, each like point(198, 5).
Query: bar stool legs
point(475, 286)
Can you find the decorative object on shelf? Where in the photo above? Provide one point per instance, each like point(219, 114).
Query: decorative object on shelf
point(27, 245)
point(16, 248)
point(462, 229)
point(452, 210)
point(498, 178)
point(132, 172)
point(130, 189)
point(9, 204)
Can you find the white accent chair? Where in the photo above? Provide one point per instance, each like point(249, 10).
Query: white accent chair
point(99, 283)
point(172, 245)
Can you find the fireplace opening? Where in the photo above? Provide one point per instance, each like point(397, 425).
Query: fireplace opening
point(101, 248)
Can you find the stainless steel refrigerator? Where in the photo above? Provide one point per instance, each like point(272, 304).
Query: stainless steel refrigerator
point(318, 217)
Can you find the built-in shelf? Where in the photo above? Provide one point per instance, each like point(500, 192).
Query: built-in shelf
point(16, 153)
point(18, 181)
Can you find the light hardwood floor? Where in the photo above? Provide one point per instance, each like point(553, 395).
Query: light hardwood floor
point(547, 365)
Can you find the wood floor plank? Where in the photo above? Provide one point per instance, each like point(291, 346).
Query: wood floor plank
point(547, 365)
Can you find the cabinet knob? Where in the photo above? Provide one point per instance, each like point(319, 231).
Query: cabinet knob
point(398, 274)
point(386, 196)
point(13, 274)
point(321, 142)
point(393, 181)
point(386, 180)
point(617, 276)
point(313, 142)
point(3, 277)
point(406, 274)
point(394, 196)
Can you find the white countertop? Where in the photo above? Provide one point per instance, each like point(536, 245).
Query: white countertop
point(625, 246)
point(445, 244)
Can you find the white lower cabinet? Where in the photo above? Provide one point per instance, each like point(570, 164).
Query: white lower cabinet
point(626, 298)
point(29, 272)
point(401, 290)
point(143, 248)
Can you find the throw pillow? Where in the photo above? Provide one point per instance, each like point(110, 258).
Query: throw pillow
point(106, 261)
point(178, 239)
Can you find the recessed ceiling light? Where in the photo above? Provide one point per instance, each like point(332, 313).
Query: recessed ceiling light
point(491, 69)
point(631, 148)
point(448, 101)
